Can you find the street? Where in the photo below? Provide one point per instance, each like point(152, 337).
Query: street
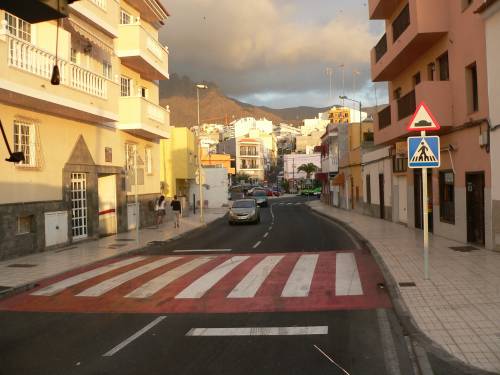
point(278, 304)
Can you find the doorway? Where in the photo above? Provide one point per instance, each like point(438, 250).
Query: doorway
point(474, 183)
point(79, 226)
point(106, 187)
point(381, 195)
point(419, 210)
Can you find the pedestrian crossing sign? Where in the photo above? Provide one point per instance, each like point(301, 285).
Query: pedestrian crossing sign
point(424, 152)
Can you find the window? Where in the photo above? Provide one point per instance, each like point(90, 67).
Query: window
point(368, 190)
point(130, 155)
point(24, 224)
point(401, 23)
point(73, 55)
point(18, 27)
point(125, 18)
point(24, 141)
point(125, 86)
point(444, 68)
point(472, 90)
point(416, 79)
point(447, 196)
point(107, 70)
point(149, 160)
point(143, 92)
point(431, 68)
point(397, 93)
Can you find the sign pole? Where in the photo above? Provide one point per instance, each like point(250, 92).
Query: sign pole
point(426, 219)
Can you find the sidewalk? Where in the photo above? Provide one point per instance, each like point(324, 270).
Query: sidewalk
point(18, 272)
point(459, 307)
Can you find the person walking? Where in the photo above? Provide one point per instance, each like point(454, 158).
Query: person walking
point(160, 209)
point(176, 207)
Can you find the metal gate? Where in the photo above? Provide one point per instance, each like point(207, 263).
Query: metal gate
point(79, 205)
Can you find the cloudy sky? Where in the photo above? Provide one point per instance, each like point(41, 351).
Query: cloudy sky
point(275, 52)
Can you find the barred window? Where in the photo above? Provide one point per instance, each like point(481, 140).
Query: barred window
point(125, 18)
point(24, 141)
point(125, 86)
point(107, 70)
point(18, 27)
point(149, 160)
point(130, 150)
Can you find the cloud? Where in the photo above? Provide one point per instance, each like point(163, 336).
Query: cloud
point(257, 46)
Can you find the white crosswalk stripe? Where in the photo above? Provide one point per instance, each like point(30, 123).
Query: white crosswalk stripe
point(107, 285)
point(153, 286)
point(300, 279)
point(248, 287)
point(347, 282)
point(198, 288)
point(77, 279)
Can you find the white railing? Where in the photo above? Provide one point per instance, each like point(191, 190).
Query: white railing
point(25, 56)
point(155, 47)
point(100, 3)
point(156, 113)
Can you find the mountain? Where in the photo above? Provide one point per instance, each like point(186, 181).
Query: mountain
point(180, 94)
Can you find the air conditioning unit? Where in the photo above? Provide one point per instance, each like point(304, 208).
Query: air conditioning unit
point(483, 139)
point(34, 11)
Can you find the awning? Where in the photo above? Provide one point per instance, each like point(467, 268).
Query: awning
point(339, 179)
point(321, 176)
point(80, 28)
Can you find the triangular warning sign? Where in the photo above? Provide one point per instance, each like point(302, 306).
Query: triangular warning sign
point(423, 153)
point(423, 120)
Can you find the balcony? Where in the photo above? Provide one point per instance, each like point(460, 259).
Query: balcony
point(414, 30)
point(81, 95)
point(143, 118)
point(382, 9)
point(384, 118)
point(142, 52)
point(102, 14)
point(381, 48)
point(437, 96)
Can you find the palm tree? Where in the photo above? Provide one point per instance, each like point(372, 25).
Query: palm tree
point(308, 168)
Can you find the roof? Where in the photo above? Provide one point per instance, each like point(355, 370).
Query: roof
point(485, 5)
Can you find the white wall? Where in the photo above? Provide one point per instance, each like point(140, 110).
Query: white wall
point(375, 163)
point(216, 189)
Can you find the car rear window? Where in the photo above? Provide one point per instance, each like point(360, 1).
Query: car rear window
point(244, 204)
point(259, 193)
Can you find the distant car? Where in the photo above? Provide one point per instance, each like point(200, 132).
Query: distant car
point(260, 197)
point(269, 192)
point(244, 211)
point(316, 192)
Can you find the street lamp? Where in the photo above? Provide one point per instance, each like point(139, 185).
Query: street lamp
point(199, 87)
point(343, 97)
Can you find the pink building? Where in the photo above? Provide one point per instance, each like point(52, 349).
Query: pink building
point(435, 51)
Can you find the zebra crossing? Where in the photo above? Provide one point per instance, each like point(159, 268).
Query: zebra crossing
point(289, 204)
point(208, 283)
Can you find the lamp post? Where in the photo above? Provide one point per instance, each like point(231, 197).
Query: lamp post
point(199, 87)
point(343, 97)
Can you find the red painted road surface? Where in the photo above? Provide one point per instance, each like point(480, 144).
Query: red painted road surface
point(321, 296)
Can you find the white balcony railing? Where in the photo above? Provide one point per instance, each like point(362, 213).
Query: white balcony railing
point(100, 3)
point(25, 56)
point(156, 113)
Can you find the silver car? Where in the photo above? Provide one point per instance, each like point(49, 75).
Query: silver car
point(244, 211)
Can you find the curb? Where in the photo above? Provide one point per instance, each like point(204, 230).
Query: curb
point(420, 341)
point(33, 284)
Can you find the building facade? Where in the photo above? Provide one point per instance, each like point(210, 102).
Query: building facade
point(90, 143)
point(431, 59)
point(291, 163)
point(250, 158)
point(329, 162)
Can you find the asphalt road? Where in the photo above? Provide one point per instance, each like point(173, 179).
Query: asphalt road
point(339, 338)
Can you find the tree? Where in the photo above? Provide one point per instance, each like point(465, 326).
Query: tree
point(242, 177)
point(308, 168)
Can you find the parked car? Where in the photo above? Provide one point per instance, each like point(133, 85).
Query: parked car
point(269, 192)
point(244, 211)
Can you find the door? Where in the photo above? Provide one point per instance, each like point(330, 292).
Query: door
point(419, 216)
point(475, 207)
point(403, 218)
point(131, 216)
point(106, 188)
point(352, 193)
point(56, 228)
point(79, 227)
point(381, 195)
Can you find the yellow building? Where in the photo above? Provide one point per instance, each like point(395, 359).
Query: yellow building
point(84, 139)
point(338, 115)
point(218, 160)
point(179, 162)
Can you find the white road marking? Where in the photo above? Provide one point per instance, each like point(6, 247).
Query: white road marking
point(107, 285)
point(123, 344)
point(347, 282)
point(257, 244)
point(203, 251)
point(66, 283)
point(266, 234)
point(289, 204)
point(199, 287)
point(153, 286)
point(331, 360)
point(298, 204)
point(270, 227)
point(299, 281)
point(248, 287)
point(259, 331)
point(272, 213)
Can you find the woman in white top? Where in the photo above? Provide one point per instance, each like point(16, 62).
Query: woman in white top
point(160, 210)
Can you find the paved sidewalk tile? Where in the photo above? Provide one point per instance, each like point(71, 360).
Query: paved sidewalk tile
point(459, 307)
point(38, 266)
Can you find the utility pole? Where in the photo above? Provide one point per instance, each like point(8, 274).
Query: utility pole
point(329, 72)
point(200, 172)
point(136, 199)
